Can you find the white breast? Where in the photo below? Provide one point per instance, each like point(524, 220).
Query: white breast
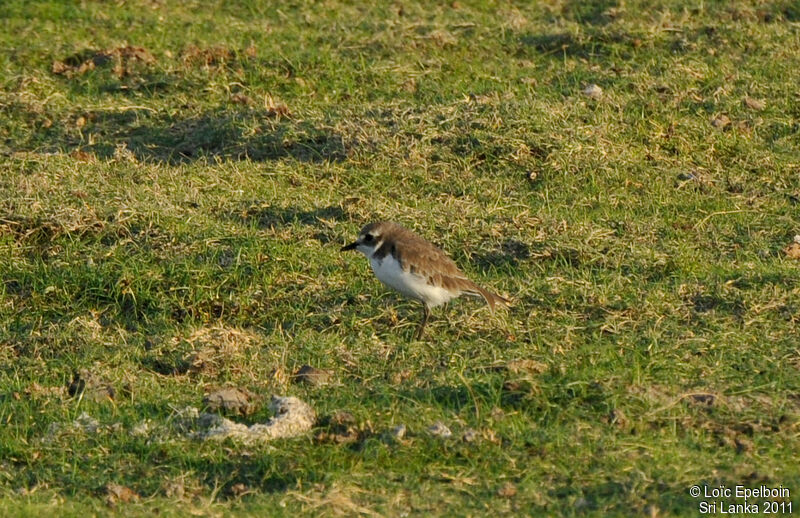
point(412, 285)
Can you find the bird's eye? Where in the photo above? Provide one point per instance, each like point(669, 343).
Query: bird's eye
point(368, 238)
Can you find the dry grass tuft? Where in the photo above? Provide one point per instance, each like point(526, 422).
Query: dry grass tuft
point(337, 500)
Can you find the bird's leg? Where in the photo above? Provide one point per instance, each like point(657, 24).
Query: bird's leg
point(426, 314)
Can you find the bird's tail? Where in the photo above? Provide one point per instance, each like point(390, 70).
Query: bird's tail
point(492, 299)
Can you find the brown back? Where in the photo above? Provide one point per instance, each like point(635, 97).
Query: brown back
point(413, 252)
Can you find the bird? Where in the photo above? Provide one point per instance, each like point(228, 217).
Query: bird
point(416, 268)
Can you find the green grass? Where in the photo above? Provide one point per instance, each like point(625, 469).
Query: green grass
point(152, 207)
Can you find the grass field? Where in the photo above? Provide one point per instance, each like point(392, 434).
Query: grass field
point(177, 180)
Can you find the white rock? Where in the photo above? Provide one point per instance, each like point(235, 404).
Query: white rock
point(292, 418)
point(439, 429)
point(593, 91)
point(86, 423)
point(399, 431)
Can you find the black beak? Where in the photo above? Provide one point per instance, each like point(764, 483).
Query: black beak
point(351, 246)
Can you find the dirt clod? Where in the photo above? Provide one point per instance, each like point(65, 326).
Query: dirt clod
point(507, 490)
point(312, 376)
point(276, 108)
point(720, 121)
point(240, 98)
point(293, 417)
point(792, 251)
point(230, 400)
point(116, 493)
point(754, 104)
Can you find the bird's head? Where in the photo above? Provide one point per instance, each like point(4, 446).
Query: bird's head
point(369, 239)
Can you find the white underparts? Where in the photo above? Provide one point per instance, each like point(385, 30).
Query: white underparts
point(413, 285)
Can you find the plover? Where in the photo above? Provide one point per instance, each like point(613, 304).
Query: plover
point(416, 268)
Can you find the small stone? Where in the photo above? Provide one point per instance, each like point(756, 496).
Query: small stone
point(593, 91)
point(507, 490)
point(470, 435)
point(720, 121)
point(398, 432)
point(395, 435)
point(240, 98)
point(439, 429)
point(312, 376)
point(754, 104)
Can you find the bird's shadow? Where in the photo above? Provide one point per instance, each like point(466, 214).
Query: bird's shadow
point(509, 254)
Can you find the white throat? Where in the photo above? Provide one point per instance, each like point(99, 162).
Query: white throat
point(369, 251)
